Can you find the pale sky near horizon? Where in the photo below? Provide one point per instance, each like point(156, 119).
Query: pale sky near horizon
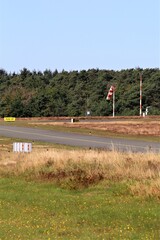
point(79, 34)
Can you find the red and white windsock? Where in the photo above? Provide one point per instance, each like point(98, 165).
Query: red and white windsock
point(110, 93)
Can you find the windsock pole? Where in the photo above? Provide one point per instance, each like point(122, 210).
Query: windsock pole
point(114, 102)
point(140, 111)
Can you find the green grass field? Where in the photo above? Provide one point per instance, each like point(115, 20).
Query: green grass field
point(31, 210)
point(38, 210)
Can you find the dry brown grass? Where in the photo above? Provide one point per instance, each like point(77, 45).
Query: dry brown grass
point(149, 188)
point(84, 167)
point(151, 128)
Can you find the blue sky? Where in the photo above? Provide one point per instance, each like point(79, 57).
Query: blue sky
point(79, 34)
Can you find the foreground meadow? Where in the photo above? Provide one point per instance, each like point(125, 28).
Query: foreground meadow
point(79, 194)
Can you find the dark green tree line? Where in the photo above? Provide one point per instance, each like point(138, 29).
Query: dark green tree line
point(29, 94)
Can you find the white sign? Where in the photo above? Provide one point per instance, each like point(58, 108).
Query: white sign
point(22, 147)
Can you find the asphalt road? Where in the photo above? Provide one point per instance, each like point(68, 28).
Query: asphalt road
point(75, 139)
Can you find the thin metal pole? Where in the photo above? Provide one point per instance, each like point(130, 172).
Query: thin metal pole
point(140, 111)
point(113, 102)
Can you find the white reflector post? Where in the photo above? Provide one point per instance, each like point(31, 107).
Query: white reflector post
point(22, 147)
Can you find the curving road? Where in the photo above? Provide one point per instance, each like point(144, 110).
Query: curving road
point(75, 139)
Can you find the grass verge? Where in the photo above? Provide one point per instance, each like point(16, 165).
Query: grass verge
point(32, 210)
point(79, 194)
